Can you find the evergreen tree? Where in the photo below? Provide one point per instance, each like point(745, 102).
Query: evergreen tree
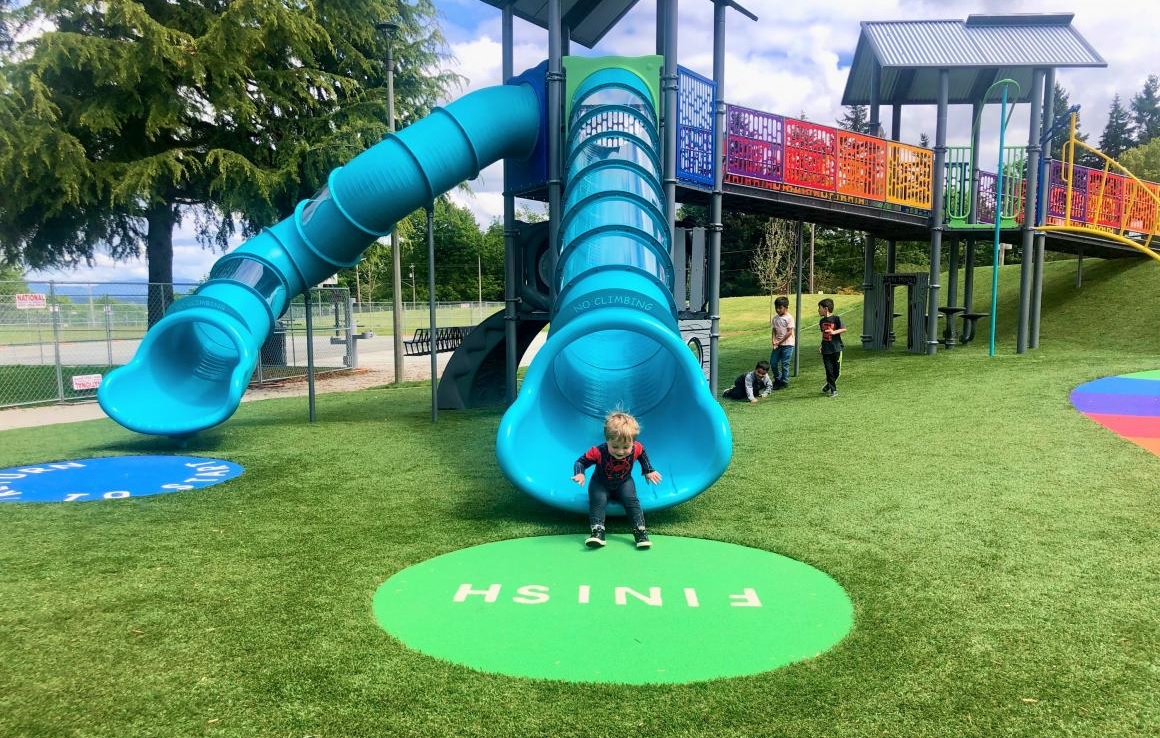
point(125, 116)
point(1059, 139)
point(856, 119)
point(924, 140)
point(1117, 136)
point(5, 31)
point(1146, 111)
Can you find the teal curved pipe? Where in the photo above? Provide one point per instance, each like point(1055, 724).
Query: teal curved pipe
point(614, 340)
point(192, 367)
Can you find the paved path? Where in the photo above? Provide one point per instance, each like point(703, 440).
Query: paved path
point(376, 368)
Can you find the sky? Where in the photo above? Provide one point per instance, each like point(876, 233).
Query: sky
point(794, 59)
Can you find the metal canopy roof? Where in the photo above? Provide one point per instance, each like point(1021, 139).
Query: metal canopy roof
point(978, 52)
point(586, 20)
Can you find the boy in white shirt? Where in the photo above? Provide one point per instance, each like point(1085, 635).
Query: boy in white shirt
point(784, 340)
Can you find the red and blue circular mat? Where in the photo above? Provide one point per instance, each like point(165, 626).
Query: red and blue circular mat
point(1128, 405)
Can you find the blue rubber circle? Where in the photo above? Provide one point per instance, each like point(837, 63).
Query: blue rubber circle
point(112, 478)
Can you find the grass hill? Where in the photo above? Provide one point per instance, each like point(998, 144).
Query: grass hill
point(1000, 549)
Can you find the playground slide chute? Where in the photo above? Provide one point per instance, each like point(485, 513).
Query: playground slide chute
point(192, 367)
point(614, 337)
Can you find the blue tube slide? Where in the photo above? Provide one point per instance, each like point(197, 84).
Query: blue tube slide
point(192, 367)
point(614, 338)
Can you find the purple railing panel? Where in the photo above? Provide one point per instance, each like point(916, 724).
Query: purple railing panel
point(755, 147)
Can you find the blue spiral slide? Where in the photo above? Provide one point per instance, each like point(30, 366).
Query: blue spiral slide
point(193, 366)
point(614, 338)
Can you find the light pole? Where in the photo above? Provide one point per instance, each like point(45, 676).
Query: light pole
point(389, 31)
point(412, 285)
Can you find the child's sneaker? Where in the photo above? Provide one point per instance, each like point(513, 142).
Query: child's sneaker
point(640, 535)
point(833, 392)
point(826, 388)
point(596, 540)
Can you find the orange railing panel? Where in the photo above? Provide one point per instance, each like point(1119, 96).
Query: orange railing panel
point(1140, 210)
point(861, 166)
point(909, 171)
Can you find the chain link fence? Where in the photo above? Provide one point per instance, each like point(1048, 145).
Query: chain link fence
point(57, 339)
point(378, 317)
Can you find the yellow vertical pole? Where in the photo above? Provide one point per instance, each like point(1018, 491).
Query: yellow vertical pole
point(1070, 172)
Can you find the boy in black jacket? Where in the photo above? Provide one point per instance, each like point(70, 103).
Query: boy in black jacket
point(831, 348)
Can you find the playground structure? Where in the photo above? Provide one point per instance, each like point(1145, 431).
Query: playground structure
point(612, 145)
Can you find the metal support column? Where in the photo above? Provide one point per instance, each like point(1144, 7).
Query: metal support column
point(976, 133)
point(867, 291)
point(669, 119)
point(875, 122)
point(431, 311)
point(892, 244)
point(969, 277)
point(1030, 205)
point(389, 30)
point(875, 126)
point(555, 138)
point(661, 26)
point(715, 218)
point(511, 276)
point(798, 310)
point(310, 391)
point(1044, 186)
point(936, 214)
point(952, 295)
point(715, 204)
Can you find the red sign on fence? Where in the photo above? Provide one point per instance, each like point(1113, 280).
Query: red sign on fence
point(86, 382)
point(32, 301)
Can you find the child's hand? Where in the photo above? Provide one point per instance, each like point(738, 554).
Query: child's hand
point(578, 478)
point(653, 477)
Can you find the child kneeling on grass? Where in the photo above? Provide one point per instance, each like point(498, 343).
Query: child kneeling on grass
point(613, 476)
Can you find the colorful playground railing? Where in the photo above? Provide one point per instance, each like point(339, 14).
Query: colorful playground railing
point(1110, 202)
point(773, 152)
point(959, 171)
point(908, 175)
point(1103, 200)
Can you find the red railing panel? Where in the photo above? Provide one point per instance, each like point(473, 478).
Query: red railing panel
point(1105, 203)
point(811, 157)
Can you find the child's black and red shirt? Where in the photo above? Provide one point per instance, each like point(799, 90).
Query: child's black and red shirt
point(613, 470)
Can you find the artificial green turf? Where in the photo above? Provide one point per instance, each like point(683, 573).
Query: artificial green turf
point(1001, 551)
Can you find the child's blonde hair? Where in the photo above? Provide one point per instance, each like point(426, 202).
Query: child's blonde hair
point(620, 426)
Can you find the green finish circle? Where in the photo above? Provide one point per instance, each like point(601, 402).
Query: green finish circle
point(546, 607)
